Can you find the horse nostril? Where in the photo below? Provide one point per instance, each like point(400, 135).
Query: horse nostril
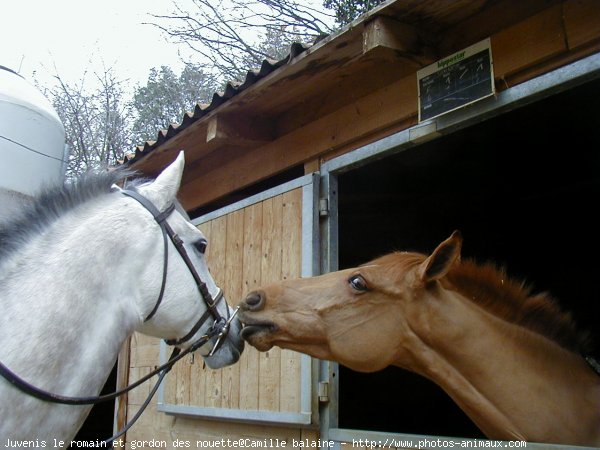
point(255, 300)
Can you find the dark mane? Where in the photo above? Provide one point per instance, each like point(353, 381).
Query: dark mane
point(513, 301)
point(52, 203)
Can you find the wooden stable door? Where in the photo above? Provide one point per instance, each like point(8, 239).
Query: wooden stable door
point(255, 242)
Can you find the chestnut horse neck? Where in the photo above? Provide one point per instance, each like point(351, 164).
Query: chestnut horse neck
point(490, 288)
point(511, 360)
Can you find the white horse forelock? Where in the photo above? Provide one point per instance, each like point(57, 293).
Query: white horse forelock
point(75, 288)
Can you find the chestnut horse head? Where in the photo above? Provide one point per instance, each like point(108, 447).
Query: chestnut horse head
point(511, 360)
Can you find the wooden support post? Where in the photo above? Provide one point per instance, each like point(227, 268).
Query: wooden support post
point(123, 364)
point(239, 132)
point(387, 37)
point(388, 33)
point(313, 165)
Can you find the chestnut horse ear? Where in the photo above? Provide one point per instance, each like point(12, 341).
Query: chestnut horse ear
point(440, 261)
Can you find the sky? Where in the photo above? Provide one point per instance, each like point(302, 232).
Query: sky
point(70, 37)
point(44, 38)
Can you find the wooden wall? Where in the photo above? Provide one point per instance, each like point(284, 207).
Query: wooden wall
point(249, 247)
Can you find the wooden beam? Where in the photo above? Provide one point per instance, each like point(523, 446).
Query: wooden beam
point(389, 33)
point(208, 135)
point(385, 36)
point(230, 169)
point(582, 22)
point(246, 131)
point(530, 42)
point(313, 165)
point(496, 16)
point(123, 363)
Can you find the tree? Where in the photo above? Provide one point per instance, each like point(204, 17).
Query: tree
point(348, 10)
point(237, 35)
point(96, 121)
point(166, 97)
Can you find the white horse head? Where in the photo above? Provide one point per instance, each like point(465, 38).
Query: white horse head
point(182, 305)
point(80, 271)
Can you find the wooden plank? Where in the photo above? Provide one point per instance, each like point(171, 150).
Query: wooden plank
point(216, 262)
point(231, 169)
point(310, 436)
point(490, 20)
point(272, 247)
point(197, 384)
point(198, 372)
point(170, 388)
point(389, 33)
point(252, 239)
point(138, 395)
point(193, 137)
point(240, 131)
point(390, 39)
point(252, 247)
point(151, 425)
point(530, 42)
point(291, 268)
point(232, 287)
point(314, 165)
point(123, 363)
point(142, 339)
point(290, 381)
point(251, 279)
point(292, 234)
point(582, 22)
point(212, 395)
point(216, 251)
point(182, 372)
point(364, 76)
point(145, 355)
point(211, 433)
point(269, 380)
point(271, 257)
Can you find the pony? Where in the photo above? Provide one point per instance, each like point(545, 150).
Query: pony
point(80, 271)
point(511, 360)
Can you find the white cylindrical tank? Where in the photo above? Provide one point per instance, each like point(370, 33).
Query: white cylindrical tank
point(32, 141)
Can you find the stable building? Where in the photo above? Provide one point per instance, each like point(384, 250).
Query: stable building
point(419, 118)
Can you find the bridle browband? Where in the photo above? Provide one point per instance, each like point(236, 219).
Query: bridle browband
point(218, 330)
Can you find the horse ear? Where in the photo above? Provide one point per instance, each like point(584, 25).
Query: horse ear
point(163, 190)
point(440, 261)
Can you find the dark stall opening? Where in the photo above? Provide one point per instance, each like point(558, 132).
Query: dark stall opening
point(523, 188)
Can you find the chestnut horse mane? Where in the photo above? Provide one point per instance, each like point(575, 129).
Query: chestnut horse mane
point(491, 288)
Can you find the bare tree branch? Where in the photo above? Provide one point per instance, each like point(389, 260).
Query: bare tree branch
point(233, 36)
point(96, 122)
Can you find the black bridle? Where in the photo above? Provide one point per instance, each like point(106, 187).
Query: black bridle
point(218, 330)
point(168, 233)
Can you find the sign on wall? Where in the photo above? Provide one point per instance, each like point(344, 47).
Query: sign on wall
point(456, 81)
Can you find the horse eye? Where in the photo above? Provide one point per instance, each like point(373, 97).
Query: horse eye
point(358, 283)
point(201, 245)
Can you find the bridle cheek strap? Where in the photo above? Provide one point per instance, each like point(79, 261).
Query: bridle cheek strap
point(160, 218)
point(211, 304)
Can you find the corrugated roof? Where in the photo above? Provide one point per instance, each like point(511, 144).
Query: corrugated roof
point(201, 110)
point(327, 68)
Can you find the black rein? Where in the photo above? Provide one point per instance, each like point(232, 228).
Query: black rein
point(219, 329)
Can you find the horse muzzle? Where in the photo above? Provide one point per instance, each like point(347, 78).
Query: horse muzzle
point(256, 329)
